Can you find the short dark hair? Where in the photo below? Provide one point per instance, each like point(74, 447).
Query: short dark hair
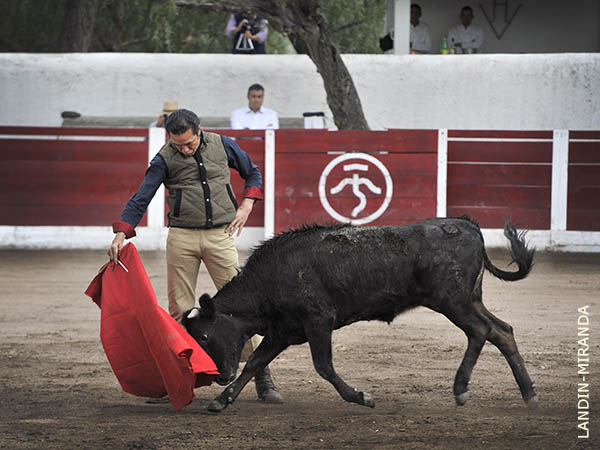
point(414, 5)
point(467, 8)
point(181, 120)
point(256, 87)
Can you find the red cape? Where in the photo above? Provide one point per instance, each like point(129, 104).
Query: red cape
point(149, 352)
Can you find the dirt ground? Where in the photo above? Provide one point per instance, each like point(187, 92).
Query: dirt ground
point(57, 390)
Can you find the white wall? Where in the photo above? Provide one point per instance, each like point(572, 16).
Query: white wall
point(541, 91)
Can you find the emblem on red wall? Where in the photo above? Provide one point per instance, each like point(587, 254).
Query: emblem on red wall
point(355, 188)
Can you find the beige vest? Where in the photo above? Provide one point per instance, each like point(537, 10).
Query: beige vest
point(199, 192)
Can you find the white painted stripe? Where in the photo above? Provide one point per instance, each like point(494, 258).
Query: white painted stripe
point(560, 173)
point(156, 208)
point(41, 137)
point(584, 140)
point(269, 184)
point(442, 173)
point(494, 163)
point(148, 238)
point(478, 139)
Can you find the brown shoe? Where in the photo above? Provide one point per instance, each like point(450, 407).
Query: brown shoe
point(266, 390)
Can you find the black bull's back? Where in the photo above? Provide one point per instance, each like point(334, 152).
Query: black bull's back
point(303, 284)
point(379, 272)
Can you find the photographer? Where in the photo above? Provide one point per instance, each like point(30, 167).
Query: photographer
point(248, 33)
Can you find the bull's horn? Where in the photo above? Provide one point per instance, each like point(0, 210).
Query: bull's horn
point(193, 313)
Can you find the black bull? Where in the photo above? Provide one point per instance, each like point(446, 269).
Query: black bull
point(303, 284)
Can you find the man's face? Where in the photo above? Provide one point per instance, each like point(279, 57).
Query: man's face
point(187, 143)
point(466, 17)
point(255, 99)
point(415, 15)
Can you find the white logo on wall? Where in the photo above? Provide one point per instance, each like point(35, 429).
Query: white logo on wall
point(358, 180)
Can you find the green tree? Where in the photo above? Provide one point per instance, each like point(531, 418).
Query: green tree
point(320, 28)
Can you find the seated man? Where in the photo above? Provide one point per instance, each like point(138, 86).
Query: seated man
point(255, 116)
point(466, 37)
point(168, 108)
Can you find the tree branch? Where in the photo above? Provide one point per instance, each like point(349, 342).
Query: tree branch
point(348, 25)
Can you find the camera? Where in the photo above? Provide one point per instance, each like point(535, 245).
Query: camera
point(251, 25)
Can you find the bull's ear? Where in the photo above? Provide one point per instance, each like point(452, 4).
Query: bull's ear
point(207, 306)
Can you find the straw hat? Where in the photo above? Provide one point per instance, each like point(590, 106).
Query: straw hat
point(169, 107)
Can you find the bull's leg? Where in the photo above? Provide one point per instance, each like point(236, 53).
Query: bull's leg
point(463, 375)
point(319, 340)
point(262, 356)
point(501, 335)
point(476, 327)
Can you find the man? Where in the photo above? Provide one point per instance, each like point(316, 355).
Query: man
point(248, 33)
point(203, 213)
point(420, 39)
point(467, 37)
point(168, 108)
point(255, 116)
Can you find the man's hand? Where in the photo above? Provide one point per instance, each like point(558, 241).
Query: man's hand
point(242, 23)
point(241, 216)
point(117, 244)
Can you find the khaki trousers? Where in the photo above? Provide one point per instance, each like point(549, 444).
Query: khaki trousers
point(186, 250)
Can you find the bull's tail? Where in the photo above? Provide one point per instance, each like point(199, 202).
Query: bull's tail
point(520, 254)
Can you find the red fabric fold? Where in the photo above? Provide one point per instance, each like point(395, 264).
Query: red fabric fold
point(149, 352)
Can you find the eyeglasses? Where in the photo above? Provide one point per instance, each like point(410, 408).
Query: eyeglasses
point(189, 145)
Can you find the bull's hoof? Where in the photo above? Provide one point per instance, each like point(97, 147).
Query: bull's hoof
point(368, 400)
point(462, 398)
point(532, 403)
point(216, 406)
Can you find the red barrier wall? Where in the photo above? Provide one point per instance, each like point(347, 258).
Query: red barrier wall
point(84, 176)
point(410, 157)
point(583, 194)
point(492, 180)
point(51, 181)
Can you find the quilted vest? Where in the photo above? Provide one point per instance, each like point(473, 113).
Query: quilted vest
point(199, 194)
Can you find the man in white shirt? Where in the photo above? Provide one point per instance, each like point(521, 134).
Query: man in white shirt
point(255, 116)
point(420, 39)
point(467, 37)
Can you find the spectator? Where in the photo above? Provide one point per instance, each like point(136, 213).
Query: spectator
point(466, 37)
point(420, 39)
point(168, 108)
point(203, 214)
point(255, 116)
point(248, 33)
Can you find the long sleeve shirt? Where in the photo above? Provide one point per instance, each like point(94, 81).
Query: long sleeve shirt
point(262, 34)
point(263, 119)
point(156, 174)
point(420, 39)
point(469, 37)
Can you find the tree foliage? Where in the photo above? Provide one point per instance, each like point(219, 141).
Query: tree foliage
point(36, 26)
point(320, 28)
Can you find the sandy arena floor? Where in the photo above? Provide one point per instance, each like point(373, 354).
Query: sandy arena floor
point(57, 389)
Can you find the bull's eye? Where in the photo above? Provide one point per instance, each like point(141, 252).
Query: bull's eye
point(203, 337)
